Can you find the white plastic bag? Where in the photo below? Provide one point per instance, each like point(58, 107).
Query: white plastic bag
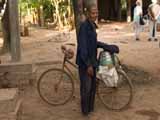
point(109, 76)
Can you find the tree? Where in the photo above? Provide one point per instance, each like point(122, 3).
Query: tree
point(14, 30)
point(27, 6)
point(10, 27)
point(78, 7)
point(128, 10)
point(6, 30)
point(57, 11)
point(63, 13)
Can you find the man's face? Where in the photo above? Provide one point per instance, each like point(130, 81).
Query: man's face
point(93, 14)
point(138, 3)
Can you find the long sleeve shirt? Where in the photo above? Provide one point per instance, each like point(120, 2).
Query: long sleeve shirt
point(88, 44)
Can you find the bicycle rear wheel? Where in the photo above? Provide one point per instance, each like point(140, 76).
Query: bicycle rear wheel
point(55, 86)
point(119, 97)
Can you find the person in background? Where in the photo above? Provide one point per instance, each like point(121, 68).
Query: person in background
point(136, 19)
point(154, 13)
point(86, 58)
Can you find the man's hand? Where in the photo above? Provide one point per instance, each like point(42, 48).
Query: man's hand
point(90, 71)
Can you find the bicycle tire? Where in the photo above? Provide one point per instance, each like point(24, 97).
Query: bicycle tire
point(55, 91)
point(109, 99)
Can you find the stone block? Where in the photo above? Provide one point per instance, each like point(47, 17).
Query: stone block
point(10, 104)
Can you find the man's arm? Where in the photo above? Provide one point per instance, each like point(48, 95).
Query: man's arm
point(110, 48)
point(150, 12)
point(82, 44)
point(83, 48)
point(158, 13)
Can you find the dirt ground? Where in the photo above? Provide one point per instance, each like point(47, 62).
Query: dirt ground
point(142, 57)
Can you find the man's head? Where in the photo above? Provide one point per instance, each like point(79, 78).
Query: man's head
point(92, 12)
point(138, 3)
point(154, 1)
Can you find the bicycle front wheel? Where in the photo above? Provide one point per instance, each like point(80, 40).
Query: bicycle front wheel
point(55, 86)
point(119, 97)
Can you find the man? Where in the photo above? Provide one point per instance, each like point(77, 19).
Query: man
point(137, 13)
point(154, 13)
point(87, 58)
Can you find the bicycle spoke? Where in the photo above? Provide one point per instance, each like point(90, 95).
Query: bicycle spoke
point(116, 98)
point(55, 86)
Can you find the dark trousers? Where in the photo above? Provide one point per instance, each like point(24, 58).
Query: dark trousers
point(87, 90)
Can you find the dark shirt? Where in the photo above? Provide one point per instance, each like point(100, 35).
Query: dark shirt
point(88, 44)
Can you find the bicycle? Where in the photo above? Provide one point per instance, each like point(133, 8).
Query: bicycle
point(60, 89)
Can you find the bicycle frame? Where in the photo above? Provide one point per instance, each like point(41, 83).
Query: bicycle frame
point(67, 61)
point(64, 66)
point(66, 70)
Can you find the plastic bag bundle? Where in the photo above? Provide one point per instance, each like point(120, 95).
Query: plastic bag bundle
point(109, 76)
point(107, 71)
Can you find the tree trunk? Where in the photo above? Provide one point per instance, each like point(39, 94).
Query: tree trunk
point(20, 15)
point(69, 14)
point(35, 17)
point(40, 16)
point(6, 30)
point(14, 30)
point(118, 4)
point(69, 8)
point(38, 13)
point(128, 10)
point(60, 24)
point(78, 11)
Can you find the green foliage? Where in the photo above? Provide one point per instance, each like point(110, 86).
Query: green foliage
point(63, 7)
point(30, 6)
point(23, 5)
point(48, 9)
